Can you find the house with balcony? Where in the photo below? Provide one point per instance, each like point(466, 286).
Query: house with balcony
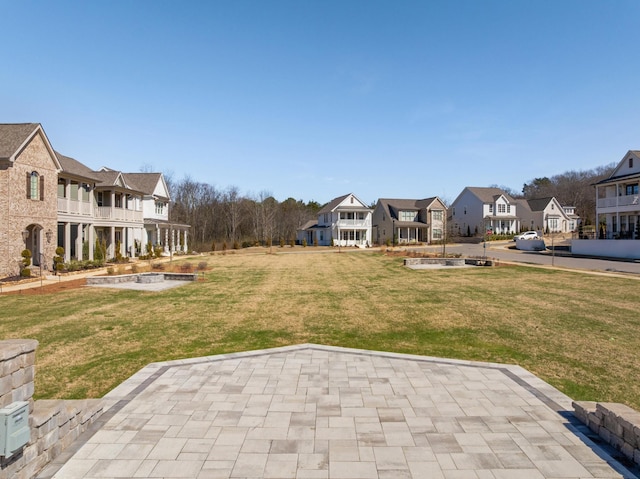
point(618, 205)
point(479, 211)
point(409, 221)
point(344, 221)
point(65, 203)
point(158, 229)
point(547, 215)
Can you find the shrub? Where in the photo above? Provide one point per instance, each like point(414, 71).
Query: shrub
point(213, 246)
point(224, 246)
point(186, 268)
point(157, 251)
point(281, 242)
point(315, 241)
point(26, 258)
point(304, 243)
point(236, 245)
point(111, 271)
point(292, 243)
point(58, 259)
point(202, 265)
point(25, 273)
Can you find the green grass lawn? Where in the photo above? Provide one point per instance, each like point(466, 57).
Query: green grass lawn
point(577, 331)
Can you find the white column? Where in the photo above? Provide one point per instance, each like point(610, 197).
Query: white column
point(173, 240)
point(92, 241)
point(184, 247)
point(166, 240)
point(111, 250)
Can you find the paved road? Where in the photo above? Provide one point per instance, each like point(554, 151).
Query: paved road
point(501, 252)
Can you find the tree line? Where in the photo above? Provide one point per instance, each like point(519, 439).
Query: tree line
point(226, 218)
point(220, 218)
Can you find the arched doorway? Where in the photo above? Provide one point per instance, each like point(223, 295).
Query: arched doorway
point(32, 237)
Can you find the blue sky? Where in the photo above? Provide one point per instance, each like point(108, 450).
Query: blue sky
point(315, 99)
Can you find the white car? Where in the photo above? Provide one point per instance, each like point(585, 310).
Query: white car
point(526, 235)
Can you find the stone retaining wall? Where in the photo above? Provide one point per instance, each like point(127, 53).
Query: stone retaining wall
point(54, 424)
point(616, 424)
point(447, 261)
point(141, 278)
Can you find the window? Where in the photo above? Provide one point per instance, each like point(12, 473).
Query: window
point(407, 216)
point(630, 162)
point(436, 215)
point(508, 208)
point(159, 208)
point(62, 190)
point(437, 233)
point(553, 224)
point(502, 208)
point(35, 186)
point(490, 208)
point(118, 200)
point(100, 198)
point(631, 189)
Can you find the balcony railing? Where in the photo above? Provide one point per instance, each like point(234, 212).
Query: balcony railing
point(117, 214)
point(626, 200)
point(353, 223)
point(74, 207)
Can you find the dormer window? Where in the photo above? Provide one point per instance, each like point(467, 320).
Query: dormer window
point(631, 162)
point(490, 208)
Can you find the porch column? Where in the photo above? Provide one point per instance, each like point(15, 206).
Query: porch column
point(166, 240)
point(67, 242)
point(173, 240)
point(92, 241)
point(111, 250)
point(184, 246)
point(79, 242)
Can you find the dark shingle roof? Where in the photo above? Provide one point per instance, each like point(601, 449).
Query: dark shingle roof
point(144, 182)
point(13, 135)
point(329, 207)
point(393, 205)
point(489, 195)
point(539, 204)
point(75, 168)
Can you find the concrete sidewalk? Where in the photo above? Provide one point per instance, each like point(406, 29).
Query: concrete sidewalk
point(313, 411)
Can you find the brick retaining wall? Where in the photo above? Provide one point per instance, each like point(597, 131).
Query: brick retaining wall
point(54, 424)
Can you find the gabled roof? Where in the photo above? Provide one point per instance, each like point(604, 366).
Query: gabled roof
point(489, 194)
point(617, 173)
point(144, 182)
point(73, 167)
point(393, 205)
point(539, 204)
point(334, 203)
point(14, 137)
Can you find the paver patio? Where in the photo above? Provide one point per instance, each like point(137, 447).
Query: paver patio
point(314, 411)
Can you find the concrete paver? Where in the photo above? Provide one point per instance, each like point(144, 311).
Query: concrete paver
point(313, 411)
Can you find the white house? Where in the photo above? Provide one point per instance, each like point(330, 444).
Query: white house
point(408, 220)
point(344, 221)
point(547, 215)
point(479, 210)
point(618, 207)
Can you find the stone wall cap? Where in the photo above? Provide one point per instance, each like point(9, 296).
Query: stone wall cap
point(616, 408)
point(10, 348)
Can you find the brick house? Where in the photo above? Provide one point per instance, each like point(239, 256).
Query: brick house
point(49, 200)
point(28, 180)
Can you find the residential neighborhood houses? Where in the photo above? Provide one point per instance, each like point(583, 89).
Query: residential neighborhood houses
point(50, 201)
point(66, 204)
